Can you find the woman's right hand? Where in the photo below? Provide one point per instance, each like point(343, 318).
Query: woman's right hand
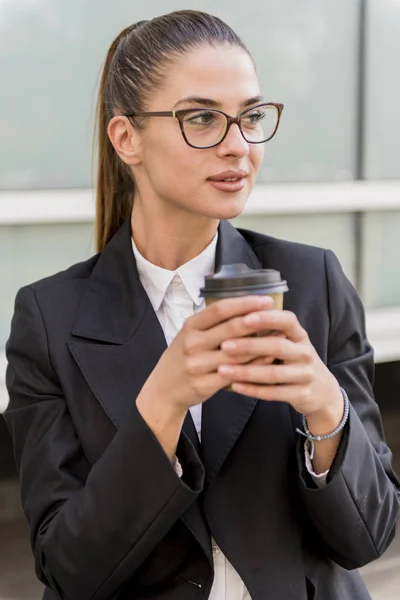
point(187, 373)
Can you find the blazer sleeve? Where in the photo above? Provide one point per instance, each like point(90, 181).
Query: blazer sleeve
point(91, 527)
point(357, 511)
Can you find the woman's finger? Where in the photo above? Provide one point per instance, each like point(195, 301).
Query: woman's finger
point(279, 323)
point(226, 309)
point(261, 360)
point(283, 321)
point(269, 346)
point(208, 362)
point(293, 394)
point(207, 385)
point(197, 341)
point(268, 374)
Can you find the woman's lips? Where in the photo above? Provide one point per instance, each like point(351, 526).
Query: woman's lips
point(228, 186)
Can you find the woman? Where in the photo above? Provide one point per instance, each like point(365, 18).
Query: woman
point(141, 477)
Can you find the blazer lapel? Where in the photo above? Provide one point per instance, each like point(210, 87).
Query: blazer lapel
point(121, 337)
point(225, 415)
point(115, 322)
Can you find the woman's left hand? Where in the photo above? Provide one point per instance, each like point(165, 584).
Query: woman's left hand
point(303, 380)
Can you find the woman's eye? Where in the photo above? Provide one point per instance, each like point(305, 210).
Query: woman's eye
point(203, 118)
point(255, 117)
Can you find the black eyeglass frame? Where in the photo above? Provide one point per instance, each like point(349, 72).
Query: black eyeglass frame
point(181, 114)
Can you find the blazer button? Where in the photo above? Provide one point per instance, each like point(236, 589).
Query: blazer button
point(215, 549)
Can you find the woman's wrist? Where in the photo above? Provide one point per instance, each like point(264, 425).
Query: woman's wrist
point(165, 411)
point(164, 418)
point(323, 423)
point(328, 418)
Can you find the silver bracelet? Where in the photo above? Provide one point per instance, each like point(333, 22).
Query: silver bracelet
point(318, 438)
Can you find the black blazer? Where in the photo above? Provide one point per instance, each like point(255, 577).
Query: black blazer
point(110, 518)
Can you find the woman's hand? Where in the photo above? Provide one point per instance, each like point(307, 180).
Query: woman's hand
point(187, 373)
point(303, 380)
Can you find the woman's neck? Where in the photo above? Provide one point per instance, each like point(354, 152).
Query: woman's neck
point(170, 242)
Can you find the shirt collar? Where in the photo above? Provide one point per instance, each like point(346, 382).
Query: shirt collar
point(156, 280)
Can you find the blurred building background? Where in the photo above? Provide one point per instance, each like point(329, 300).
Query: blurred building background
point(331, 177)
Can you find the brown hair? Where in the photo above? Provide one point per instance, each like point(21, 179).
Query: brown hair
point(133, 69)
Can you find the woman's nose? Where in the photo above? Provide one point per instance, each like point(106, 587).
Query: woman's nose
point(234, 143)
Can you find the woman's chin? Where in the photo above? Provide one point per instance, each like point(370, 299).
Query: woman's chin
point(225, 207)
point(230, 210)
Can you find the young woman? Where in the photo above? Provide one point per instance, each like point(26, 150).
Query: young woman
point(141, 477)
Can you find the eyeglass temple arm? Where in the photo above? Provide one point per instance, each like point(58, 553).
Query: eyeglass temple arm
point(170, 113)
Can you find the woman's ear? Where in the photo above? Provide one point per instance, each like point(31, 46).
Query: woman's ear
point(125, 139)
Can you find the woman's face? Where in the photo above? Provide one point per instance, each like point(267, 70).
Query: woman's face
point(179, 177)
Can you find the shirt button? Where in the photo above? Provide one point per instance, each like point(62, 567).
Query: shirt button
point(176, 281)
point(185, 314)
point(215, 549)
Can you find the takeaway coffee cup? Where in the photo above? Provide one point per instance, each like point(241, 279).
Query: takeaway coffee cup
point(236, 280)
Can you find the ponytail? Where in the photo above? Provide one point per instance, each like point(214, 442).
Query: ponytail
point(115, 184)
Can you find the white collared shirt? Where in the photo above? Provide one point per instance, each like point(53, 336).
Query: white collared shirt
point(175, 296)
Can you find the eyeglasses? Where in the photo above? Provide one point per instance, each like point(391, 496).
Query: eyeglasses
point(207, 127)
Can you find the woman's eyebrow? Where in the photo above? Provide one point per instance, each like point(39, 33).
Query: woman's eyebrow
point(255, 100)
point(214, 103)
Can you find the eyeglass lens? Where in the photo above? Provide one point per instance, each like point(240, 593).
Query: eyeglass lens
point(207, 127)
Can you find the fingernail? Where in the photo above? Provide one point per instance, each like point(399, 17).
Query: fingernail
point(229, 346)
point(226, 370)
point(252, 318)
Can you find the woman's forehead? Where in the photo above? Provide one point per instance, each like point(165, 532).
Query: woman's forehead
point(224, 74)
